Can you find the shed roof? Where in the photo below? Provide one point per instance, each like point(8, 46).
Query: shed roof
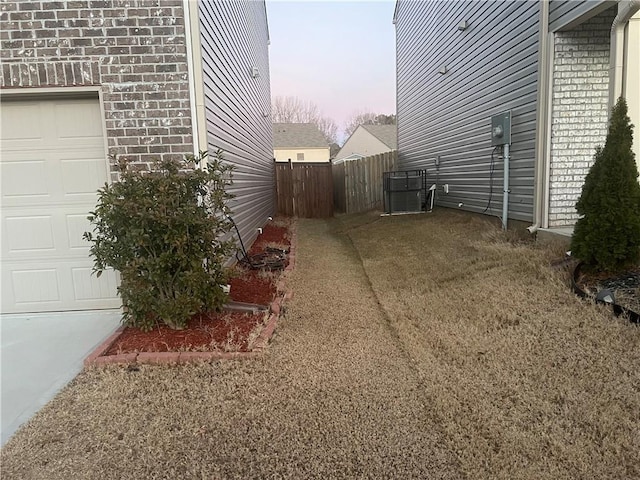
point(387, 134)
point(298, 135)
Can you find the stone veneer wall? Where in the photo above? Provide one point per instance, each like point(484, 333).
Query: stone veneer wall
point(134, 50)
point(580, 111)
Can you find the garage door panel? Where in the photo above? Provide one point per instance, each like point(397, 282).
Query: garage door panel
point(88, 286)
point(30, 233)
point(57, 286)
point(82, 177)
point(45, 232)
point(77, 120)
point(54, 178)
point(77, 225)
point(25, 180)
point(22, 125)
point(51, 123)
point(52, 163)
point(35, 285)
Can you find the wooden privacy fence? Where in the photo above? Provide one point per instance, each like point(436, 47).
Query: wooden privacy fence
point(357, 184)
point(304, 189)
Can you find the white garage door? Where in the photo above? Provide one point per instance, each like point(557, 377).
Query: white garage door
point(52, 161)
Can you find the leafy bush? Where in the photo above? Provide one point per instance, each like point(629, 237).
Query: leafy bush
point(162, 231)
point(607, 236)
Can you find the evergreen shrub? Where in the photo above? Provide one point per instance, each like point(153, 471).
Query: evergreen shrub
point(163, 230)
point(607, 234)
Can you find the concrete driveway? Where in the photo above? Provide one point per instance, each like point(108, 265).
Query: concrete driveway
point(40, 353)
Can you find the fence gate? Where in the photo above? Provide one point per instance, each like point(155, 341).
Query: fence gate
point(304, 189)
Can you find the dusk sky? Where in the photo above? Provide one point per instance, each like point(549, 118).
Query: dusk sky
point(338, 54)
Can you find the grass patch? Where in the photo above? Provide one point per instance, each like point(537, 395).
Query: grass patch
point(529, 381)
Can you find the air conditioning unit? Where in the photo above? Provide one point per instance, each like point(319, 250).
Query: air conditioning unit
point(405, 202)
point(404, 192)
point(404, 183)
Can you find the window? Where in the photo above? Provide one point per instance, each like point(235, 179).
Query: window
point(300, 157)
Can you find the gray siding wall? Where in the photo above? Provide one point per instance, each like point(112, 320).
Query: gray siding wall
point(569, 13)
point(133, 51)
point(492, 67)
point(234, 38)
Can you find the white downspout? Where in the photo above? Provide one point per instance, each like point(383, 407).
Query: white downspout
point(626, 10)
point(541, 176)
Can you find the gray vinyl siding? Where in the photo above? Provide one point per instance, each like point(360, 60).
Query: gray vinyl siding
point(568, 13)
point(492, 67)
point(234, 38)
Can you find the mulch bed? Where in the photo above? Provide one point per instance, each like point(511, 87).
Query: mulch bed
point(275, 234)
point(227, 331)
point(625, 286)
point(250, 288)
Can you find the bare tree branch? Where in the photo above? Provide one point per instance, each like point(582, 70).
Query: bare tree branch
point(328, 128)
point(294, 110)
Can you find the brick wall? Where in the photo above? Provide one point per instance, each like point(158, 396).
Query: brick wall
point(580, 111)
point(134, 50)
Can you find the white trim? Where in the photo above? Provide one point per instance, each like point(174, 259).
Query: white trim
point(546, 198)
point(198, 79)
point(545, 56)
point(103, 113)
point(188, 33)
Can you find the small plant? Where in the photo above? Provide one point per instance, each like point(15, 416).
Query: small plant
point(162, 231)
point(607, 235)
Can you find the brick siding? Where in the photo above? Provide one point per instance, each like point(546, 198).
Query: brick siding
point(134, 50)
point(580, 111)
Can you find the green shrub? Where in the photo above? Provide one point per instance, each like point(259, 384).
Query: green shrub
point(607, 235)
point(162, 231)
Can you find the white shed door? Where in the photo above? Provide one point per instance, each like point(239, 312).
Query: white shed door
point(52, 161)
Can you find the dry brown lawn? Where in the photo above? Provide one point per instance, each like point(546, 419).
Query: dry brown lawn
point(415, 347)
point(527, 380)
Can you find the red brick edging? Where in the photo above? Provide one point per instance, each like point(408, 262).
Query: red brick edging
point(284, 294)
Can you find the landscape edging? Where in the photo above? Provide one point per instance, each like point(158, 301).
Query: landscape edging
point(633, 317)
point(97, 357)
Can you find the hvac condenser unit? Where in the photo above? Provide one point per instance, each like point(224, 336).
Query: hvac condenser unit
point(404, 192)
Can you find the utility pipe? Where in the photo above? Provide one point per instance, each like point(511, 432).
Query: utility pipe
point(432, 189)
point(505, 192)
point(626, 10)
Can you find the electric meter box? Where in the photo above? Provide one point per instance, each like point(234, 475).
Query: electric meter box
point(501, 129)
